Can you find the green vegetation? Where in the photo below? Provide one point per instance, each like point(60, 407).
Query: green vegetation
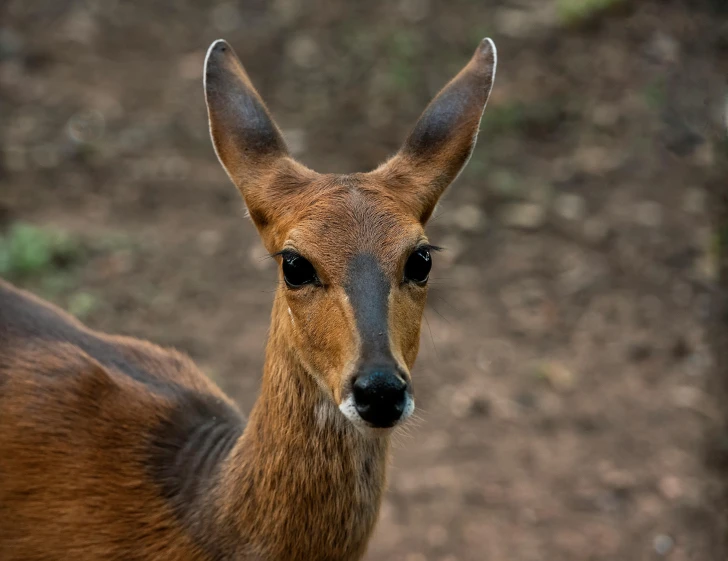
point(576, 11)
point(504, 117)
point(27, 250)
point(43, 259)
point(719, 245)
point(403, 52)
point(655, 94)
point(505, 184)
point(520, 116)
point(81, 304)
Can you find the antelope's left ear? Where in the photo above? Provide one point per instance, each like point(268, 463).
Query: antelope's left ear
point(244, 135)
point(443, 139)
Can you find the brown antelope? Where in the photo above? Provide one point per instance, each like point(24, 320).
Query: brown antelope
point(115, 449)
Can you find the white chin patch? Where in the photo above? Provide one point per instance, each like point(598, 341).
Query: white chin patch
point(348, 408)
point(408, 409)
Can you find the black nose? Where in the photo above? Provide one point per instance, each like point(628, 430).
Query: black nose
point(380, 397)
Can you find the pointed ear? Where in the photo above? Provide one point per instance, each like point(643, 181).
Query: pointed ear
point(443, 139)
point(247, 141)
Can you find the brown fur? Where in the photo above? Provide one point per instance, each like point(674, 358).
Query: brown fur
point(116, 449)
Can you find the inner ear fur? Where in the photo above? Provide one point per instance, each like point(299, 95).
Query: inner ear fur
point(443, 139)
point(245, 136)
point(247, 141)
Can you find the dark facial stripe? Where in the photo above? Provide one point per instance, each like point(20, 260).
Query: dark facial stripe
point(368, 291)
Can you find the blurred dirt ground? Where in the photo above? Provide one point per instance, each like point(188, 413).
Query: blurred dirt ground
point(562, 376)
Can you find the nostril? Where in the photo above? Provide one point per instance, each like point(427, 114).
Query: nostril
point(380, 397)
point(378, 384)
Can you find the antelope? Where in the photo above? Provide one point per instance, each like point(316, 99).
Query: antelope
point(112, 448)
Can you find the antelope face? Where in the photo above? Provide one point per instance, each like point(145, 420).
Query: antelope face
point(354, 271)
point(353, 255)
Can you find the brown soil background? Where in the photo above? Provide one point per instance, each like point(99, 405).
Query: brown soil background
point(563, 380)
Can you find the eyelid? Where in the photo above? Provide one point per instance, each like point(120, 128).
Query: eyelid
point(287, 253)
point(427, 246)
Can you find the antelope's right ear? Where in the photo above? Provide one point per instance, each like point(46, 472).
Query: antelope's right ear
point(441, 142)
point(246, 139)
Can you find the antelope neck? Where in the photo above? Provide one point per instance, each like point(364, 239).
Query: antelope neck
point(312, 482)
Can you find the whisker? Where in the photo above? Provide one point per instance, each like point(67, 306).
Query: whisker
point(418, 413)
point(434, 348)
point(439, 314)
point(440, 297)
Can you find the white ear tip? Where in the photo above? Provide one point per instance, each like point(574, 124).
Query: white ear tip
point(488, 49)
point(218, 42)
point(217, 46)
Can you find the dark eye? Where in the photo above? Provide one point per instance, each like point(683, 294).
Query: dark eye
point(298, 271)
point(418, 266)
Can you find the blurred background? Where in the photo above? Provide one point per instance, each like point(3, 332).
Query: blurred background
point(563, 377)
